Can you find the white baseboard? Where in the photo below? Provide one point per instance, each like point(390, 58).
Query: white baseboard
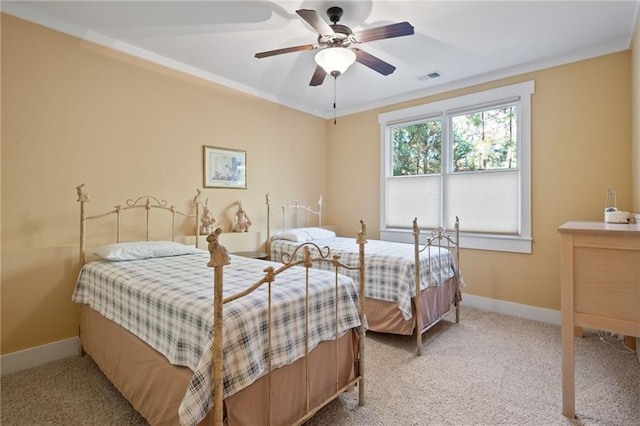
point(39, 355)
point(514, 309)
point(518, 310)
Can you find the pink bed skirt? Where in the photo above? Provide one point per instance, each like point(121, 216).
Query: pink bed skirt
point(386, 317)
point(155, 387)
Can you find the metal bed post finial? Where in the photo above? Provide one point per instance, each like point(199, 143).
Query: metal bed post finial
point(197, 200)
point(296, 205)
point(219, 254)
point(147, 207)
point(361, 238)
point(267, 201)
point(83, 198)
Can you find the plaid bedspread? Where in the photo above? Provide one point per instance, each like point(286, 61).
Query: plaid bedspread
point(168, 303)
point(389, 267)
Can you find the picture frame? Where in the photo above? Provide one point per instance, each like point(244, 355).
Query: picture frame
point(224, 168)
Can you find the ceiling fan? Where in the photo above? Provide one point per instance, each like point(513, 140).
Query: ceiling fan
point(338, 44)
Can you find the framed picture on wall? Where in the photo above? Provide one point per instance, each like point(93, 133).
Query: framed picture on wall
point(224, 168)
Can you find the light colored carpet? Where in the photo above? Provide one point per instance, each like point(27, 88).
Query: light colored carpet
point(490, 369)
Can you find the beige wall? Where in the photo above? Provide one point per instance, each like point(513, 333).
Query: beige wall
point(635, 114)
point(581, 132)
point(74, 112)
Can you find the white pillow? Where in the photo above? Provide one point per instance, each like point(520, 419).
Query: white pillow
point(143, 250)
point(305, 234)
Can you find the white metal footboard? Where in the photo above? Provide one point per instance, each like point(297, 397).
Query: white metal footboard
point(439, 237)
point(220, 258)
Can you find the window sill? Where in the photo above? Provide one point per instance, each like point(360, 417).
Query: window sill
point(504, 243)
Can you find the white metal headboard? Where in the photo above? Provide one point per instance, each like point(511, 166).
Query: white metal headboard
point(296, 207)
point(146, 202)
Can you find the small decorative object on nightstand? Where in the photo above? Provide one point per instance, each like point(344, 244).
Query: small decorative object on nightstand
point(242, 221)
point(253, 254)
point(207, 219)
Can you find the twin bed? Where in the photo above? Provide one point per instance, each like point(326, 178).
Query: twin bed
point(196, 337)
point(395, 272)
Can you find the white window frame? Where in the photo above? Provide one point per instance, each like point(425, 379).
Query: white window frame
point(522, 92)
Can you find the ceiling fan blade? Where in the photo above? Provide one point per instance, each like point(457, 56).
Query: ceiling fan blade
point(387, 31)
point(318, 76)
point(285, 50)
point(373, 62)
point(313, 19)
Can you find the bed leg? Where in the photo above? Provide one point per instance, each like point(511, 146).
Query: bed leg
point(81, 351)
point(418, 339)
point(458, 313)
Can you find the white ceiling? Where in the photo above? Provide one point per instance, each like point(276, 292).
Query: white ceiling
point(467, 42)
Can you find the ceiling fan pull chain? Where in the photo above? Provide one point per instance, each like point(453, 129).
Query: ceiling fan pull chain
point(335, 120)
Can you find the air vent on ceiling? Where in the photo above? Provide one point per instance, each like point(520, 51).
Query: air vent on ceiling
point(429, 76)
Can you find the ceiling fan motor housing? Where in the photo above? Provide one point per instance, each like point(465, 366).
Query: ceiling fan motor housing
point(342, 33)
point(334, 13)
point(342, 36)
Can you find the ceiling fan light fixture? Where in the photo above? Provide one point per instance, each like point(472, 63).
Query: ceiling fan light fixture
point(335, 60)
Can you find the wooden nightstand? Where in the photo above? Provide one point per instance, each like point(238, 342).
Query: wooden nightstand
point(253, 254)
point(599, 288)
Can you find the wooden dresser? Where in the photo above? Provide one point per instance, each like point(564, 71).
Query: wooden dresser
point(600, 288)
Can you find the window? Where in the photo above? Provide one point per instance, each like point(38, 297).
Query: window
point(468, 157)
